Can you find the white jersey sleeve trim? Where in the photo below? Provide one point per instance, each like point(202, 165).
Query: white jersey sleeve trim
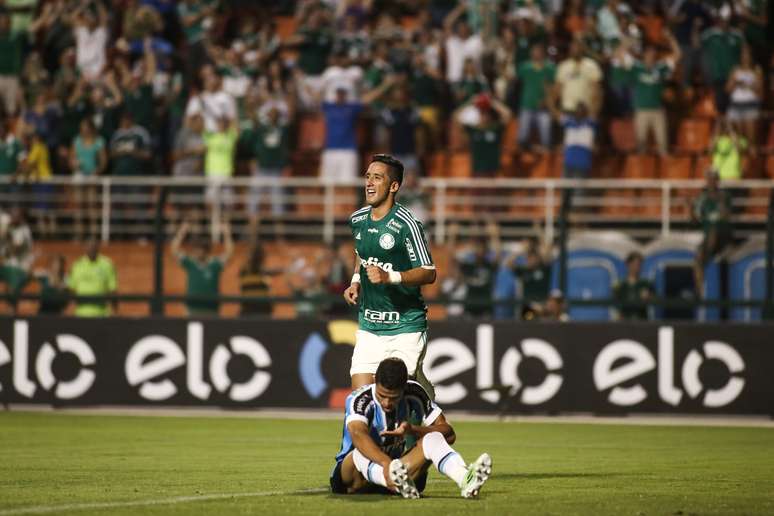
point(356, 417)
point(424, 256)
point(432, 416)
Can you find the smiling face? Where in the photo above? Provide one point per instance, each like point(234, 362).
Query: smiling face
point(378, 184)
point(388, 398)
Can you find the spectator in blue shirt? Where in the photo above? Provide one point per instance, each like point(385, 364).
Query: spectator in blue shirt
point(579, 132)
point(339, 157)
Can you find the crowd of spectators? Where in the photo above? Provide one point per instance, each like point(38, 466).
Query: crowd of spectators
point(209, 88)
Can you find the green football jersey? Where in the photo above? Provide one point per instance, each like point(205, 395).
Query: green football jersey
point(394, 243)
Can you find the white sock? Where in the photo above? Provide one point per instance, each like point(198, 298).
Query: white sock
point(372, 471)
point(448, 461)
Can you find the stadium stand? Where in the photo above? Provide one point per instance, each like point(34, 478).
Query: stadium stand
point(67, 61)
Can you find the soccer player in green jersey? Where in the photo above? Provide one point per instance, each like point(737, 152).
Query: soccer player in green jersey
point(392, 262)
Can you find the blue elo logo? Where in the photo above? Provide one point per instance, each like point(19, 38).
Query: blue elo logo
point(340, 333)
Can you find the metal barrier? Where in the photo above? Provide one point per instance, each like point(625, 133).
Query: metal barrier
point(125, 206)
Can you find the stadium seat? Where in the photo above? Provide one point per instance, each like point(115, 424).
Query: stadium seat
point(595, 262)
point(675, 167)
point(557, 165)
point(459, 165)
point(409, 23)
point(311, 132)
point(769, 169)
point(622, 134)
point(510, 136)
point(668, 263)
point(458, 140)
point(437, 165)
point(701, 165)
point(747, 277)
point(705, 107)
point(770, 138)
point(640, 166)
point(537, 165)
point(286, 26)
point(694, 135)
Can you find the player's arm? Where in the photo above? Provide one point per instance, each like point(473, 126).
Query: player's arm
point(177, 241)
point(439, 425)
point(422, 271)
point(352, 293)
point(415, 277)
point(362, 440)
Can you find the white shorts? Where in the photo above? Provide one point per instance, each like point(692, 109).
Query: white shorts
point(338, 164)
point(371, 349)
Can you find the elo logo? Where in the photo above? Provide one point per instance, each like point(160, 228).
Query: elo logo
point(311, 359)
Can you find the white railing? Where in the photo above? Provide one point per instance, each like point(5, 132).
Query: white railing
point(318, 209)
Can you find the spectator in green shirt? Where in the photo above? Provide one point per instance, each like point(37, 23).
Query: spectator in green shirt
point(93, 275)
point(632, 291)
point(537, 77)
point(130, 148)
point(15, 252)
point(648, 78)
point(712, 210)
point(10, 154)
point(485, 137)
point(271, 157)
point(471, 84)
point(534, 274)
point(314, 41)
point(138, 89)
point(195, 16)
point(54, 294)
point(11, 46)
point(426, 87)
point(721, 48)
point(203, 270)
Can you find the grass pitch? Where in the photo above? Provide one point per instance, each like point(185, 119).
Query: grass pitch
point(72, 464)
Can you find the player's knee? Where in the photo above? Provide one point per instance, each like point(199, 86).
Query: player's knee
point(431, 441)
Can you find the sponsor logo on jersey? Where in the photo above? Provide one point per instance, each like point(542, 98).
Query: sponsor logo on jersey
point(373, 230)
point(410, 248)
point(387, 241)
point(362, 401)
point(359, 218)
point(381, 317)
point(375, 261)
point(357, 237)
point(394, 225)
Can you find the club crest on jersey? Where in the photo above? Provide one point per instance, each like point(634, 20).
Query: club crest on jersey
point(394, 225)
point(387, 241)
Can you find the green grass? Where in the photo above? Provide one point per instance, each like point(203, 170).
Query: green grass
point(52, 459)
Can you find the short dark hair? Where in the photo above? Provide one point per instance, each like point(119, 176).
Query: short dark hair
point(392, 373)
point(202, 243)
point(396, 167)
point(634, 255)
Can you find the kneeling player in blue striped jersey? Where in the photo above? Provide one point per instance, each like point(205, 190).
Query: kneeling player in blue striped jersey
point(382, 451)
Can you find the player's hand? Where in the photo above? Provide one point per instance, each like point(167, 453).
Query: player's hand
point(390, 485)
point(376, 275)
point(352, 294)
point(401, 431)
